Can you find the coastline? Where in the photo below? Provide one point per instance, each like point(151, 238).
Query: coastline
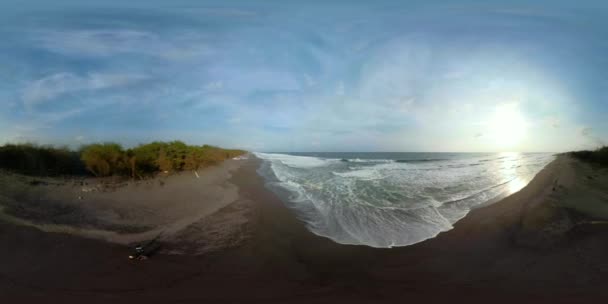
point(510, 250)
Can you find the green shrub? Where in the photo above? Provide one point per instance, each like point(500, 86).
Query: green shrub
point(177, 156)
point(106, 159)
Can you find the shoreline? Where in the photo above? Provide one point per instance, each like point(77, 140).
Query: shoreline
point(285, 192)
point(509, 251)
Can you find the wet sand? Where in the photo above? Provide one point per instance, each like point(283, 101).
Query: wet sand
point(527, 248)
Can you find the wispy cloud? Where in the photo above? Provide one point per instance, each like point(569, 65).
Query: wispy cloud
point(55, 85)
point(219, 11)
point(110, 42)
point(292, 75)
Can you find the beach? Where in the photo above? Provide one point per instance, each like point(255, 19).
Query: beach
point(228, 239)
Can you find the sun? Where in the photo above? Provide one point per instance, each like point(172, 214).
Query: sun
point(507, 126)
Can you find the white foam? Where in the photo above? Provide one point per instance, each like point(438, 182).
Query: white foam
point(362, 174)
point(388, 204)
point(358, 160)
point(294, 161)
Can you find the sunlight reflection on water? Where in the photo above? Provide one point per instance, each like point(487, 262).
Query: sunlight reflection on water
point(509, 171)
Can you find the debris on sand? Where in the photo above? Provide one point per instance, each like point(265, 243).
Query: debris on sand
point(146, 250)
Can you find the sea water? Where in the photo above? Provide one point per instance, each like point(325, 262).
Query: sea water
point(393, 199)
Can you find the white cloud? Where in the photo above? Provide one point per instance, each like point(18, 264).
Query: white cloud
point(179, 46)
point(55, 85)
point(47, 88)
point(92, 42)
point(40, 121)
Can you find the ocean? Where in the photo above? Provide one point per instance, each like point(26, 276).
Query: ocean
point(393, 199)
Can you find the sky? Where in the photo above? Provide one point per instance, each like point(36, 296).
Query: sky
point(451, 76)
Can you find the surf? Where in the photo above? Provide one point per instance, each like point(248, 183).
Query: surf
point(392, 199)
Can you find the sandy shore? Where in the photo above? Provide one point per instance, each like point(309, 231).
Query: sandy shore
point(229, 240)
point(118, 211)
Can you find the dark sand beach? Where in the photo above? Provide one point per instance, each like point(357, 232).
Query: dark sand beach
point(227, 239)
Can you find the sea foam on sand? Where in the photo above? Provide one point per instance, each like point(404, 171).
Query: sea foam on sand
point(393, 202)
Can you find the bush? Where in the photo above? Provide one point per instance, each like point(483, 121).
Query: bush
point(106, 159)
point(599, 156)
point(177, 156)
point(32, 159)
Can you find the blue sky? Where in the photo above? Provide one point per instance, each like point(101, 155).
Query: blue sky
point(313, 76)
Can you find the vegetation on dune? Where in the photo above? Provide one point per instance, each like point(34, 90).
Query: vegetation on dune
point(103, 159)
point(174, 156)
point(599, 156)
point(40, 160)
point(108, 159)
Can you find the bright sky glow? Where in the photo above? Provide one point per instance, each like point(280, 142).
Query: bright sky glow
point(307, 75)
point(507, 126)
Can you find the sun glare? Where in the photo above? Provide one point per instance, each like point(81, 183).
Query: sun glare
point(507, 126)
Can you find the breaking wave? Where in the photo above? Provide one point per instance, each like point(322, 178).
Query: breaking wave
point(393, 202)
